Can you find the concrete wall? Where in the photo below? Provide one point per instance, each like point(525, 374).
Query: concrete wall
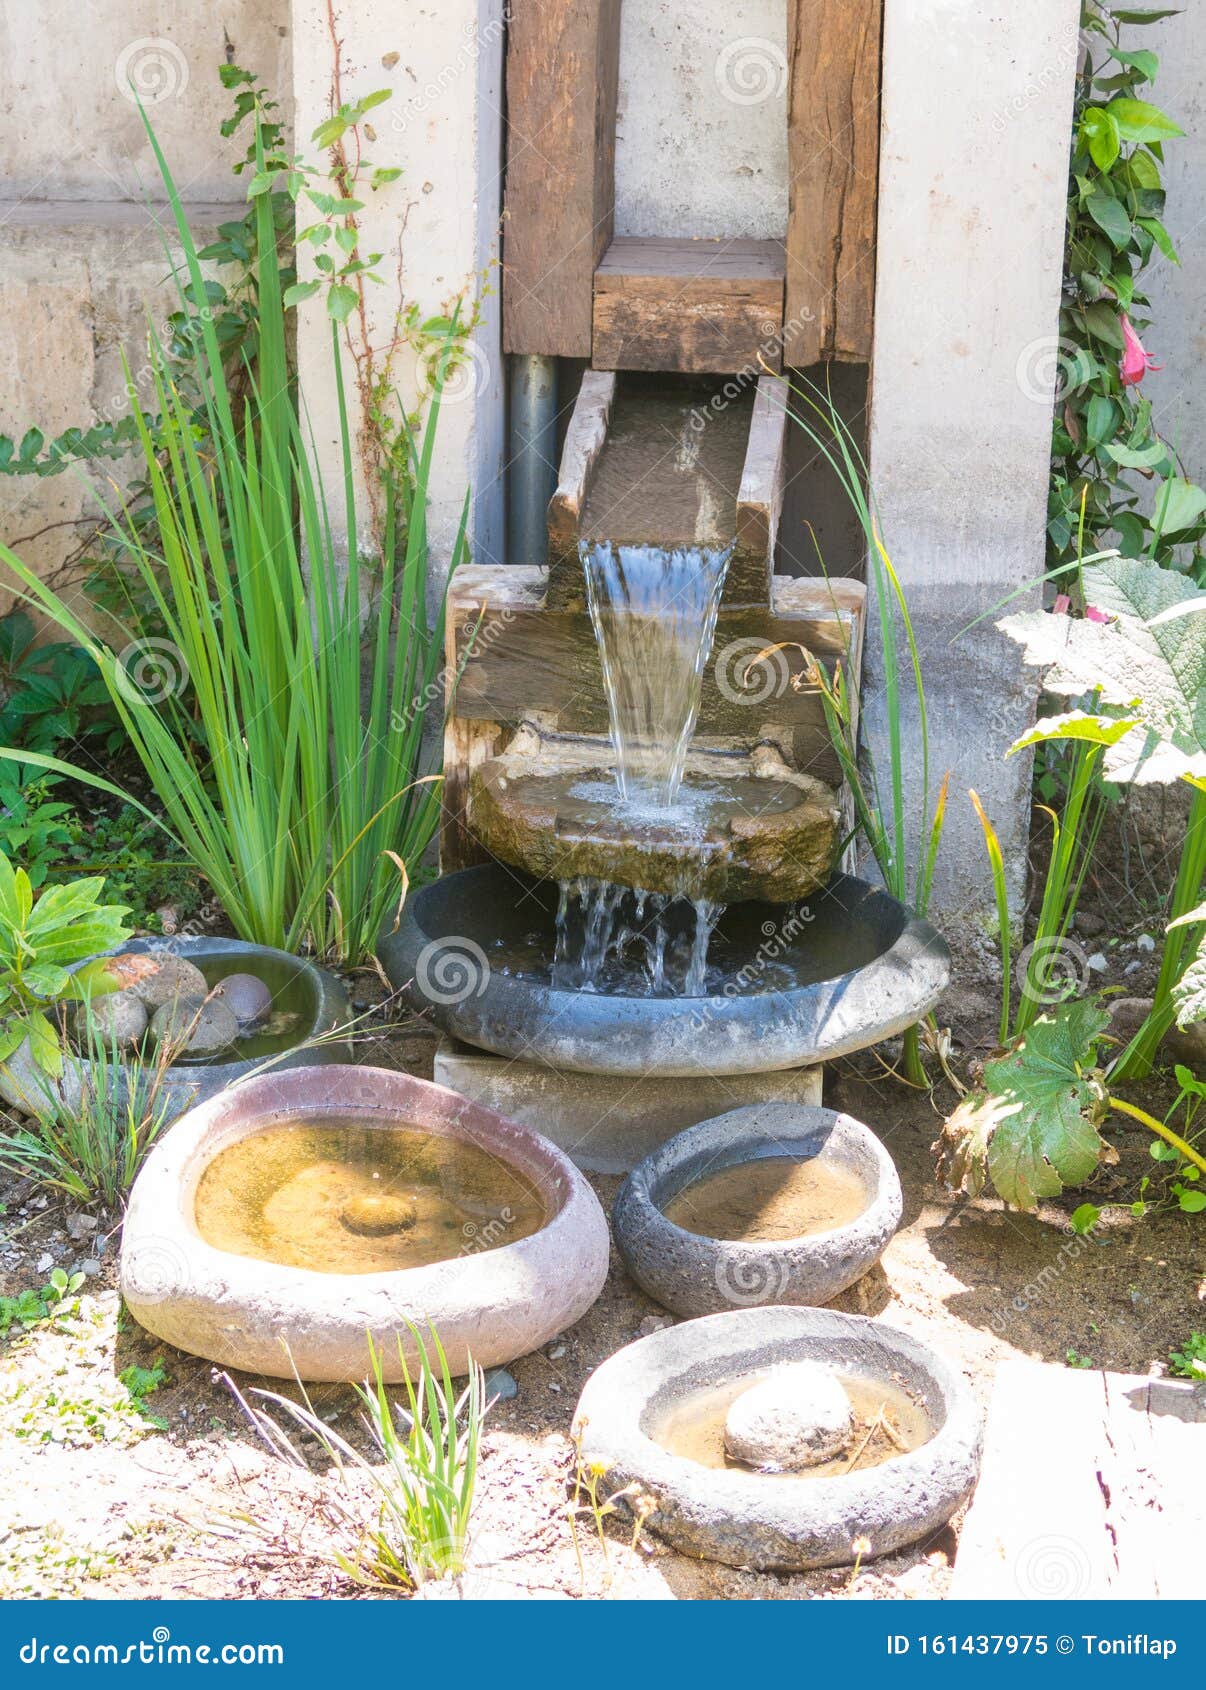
point(70, 129)
point(701, 135)
point(437, 226)
point(81, 259)
point(976, 120)
point(1178, 334)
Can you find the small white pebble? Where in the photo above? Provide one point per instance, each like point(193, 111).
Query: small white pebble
point(1145, 942)
point(1097, 963)
point(553, 1386)
point(45, 1262)
point(555, 1351)
point(1133, 967)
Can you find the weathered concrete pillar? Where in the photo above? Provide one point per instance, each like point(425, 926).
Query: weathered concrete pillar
point(437, 227)
point(977, 103)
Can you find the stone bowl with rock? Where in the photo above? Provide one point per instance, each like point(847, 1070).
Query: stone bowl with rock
point(782, 1439)
point(211, 1010)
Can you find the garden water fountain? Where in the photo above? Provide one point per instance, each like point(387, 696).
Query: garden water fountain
point(645, 924)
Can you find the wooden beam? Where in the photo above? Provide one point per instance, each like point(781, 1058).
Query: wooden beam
point(707, 307)
point(585, 439)
point(833, 157)
point(563, 69)
point(760, 497)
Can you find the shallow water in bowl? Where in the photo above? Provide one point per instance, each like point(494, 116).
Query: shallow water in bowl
point(768, 1200)
point(337, 1196)
point(888, 1422)
point(290, 1019)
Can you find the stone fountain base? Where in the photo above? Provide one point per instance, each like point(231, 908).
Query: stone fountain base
point(608, 1123)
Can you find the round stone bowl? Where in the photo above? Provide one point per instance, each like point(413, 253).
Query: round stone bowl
point(694, 1274)
point(322, 1002)
point(779, 1523)
point(268, 1317)
point(474, 951)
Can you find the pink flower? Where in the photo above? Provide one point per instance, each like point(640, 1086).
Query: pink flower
point(1135, 361)
point(1092, 614)
point(1062, 605)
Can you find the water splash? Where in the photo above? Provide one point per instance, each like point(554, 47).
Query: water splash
point(619, 938)
point(654, 616)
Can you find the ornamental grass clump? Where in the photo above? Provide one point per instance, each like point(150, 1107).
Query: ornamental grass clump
point(287, 747)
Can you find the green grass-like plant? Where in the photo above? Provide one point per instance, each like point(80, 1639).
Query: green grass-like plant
point(288, 754)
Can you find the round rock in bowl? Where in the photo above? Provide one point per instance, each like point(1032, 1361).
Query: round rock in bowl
point(638, 1421)
point(290, 1218)
point(772, 1203)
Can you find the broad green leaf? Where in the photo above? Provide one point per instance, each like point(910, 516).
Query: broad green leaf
point(1111, 217)
point(1077, 724)
point(1190, 919)
point(1152, 456)
point(1179, 504)
point(1100, 136)
point(300, 291)
point(1034, 1126)
point(46, 979)
point(1144, 14)
point(1151, 672)
point(1139, 121)
point(44, 1044)
point(1161, 237)
point(1141, 59)
point(1101, 416)
point(342, 301)
point(1101, 319)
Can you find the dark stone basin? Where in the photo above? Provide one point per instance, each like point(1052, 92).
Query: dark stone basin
point(789, 985)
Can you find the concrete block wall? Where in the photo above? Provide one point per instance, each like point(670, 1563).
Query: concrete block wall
point(81, 254)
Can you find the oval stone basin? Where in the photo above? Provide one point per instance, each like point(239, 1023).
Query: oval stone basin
point(278, 1224)
point(660, 1416)
point(787, 985)
point(773, 1203)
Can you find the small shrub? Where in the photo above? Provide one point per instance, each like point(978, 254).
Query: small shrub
point(1190, 1361)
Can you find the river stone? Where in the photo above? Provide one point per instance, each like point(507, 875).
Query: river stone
point(165, 980)
point(215, 1028)
point(797, 1417)
point(118, 1017)
point(247, 998)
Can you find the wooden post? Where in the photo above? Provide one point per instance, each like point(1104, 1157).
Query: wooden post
point(833, 158)
point(563, 71)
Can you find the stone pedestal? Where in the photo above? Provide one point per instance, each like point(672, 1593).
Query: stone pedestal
point(607, 1123)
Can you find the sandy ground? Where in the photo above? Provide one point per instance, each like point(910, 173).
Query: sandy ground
point(98, 1502)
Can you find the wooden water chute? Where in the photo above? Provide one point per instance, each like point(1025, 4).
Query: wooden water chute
point(572, 289)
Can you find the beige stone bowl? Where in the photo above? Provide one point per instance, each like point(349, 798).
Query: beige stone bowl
point(271, 1318)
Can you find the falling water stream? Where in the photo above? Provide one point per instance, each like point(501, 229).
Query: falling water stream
point(654, 616)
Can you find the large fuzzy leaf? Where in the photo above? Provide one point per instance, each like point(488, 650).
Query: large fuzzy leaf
point(1189, 994)
point(1034, 1127)
point(1148, 668)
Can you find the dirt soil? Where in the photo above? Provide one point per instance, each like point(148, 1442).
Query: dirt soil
point(98, 1501)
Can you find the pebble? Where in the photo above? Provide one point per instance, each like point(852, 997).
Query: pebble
point(1097, 963)
point(45, 1262)
point(79, 1226)
point(117, 1017)
point(500, 1385)
point(556, 1351)
point(654, 1323)
point(215, 1029)
point(1145, 942)
point(1088, 924)
point(247, 998)
point(90, 1266)
point(553, 1386)
point(796, 1417)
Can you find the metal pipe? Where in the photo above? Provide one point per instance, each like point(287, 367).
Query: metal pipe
point(533, 457)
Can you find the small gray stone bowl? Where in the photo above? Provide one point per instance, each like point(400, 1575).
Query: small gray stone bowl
point(693, 1274)
point(185, 1084)
point(780, 1522)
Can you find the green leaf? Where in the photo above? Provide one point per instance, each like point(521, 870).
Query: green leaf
point(1111, 217)
point(1152, 456)
point(1084, 1219)
point(1141, 59)
point(1101, 319)
point(1161, 237)
point(1100, 137)
point(1034, 1126)
point(1143, 15)
point(300, 291)
point(1101, 420)
point(1179, 504)
point(342, 301)
point(1139, 121)
point(44, 1044)
point(1145, 670)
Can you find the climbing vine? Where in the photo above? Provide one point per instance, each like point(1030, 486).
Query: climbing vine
point(1115, 481)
